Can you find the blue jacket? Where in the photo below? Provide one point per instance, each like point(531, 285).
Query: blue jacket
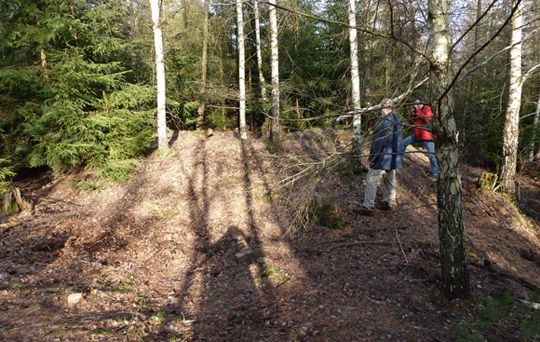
point(386, 144)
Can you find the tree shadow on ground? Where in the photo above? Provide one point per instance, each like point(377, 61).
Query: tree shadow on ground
point(202, 261)
point(226, 289)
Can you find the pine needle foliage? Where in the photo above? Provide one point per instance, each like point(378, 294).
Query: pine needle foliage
point(5, 174)
point(68, 98)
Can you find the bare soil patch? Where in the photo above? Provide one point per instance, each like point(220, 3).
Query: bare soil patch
point(198, 247)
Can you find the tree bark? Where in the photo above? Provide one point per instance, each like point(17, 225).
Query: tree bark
point(204, 67)
point(535, 128)
point(476, 42)
point(455, 276)
point(511, 125)
point(43, 56)
point(160, 77)
point(241, 69)
point(275, 129)
point(262, 82)
point(355, 81)
point(222, 81)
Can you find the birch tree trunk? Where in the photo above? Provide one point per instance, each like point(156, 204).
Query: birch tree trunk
point(160, 77)
point(355, 80)
point(275, 129)
point(455, 276)
point(476, 42)
point(204, 66)
point(43, 56)
point(241, 69)
point(222, 81)
point(262, 82)
point(511, 125)
point(535, 128)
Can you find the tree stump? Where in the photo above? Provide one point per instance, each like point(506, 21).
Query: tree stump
point(488, 181)
point(326, 211)
point(14, 202)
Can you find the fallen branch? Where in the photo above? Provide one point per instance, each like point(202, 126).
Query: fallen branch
point(401, 246)
point(531, 305)
point(488, 265)
point(355, 243)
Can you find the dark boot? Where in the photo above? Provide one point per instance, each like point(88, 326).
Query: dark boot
point(387, 206)
point(364, 211)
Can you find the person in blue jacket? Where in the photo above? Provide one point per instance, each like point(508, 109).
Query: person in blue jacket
point(385, 157)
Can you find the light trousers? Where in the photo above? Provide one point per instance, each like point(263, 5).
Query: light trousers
point(389, 187)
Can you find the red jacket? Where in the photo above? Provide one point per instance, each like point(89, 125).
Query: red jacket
point(419, 118)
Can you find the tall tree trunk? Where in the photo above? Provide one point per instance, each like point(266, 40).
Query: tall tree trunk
point(43, 56)
point(241, 69)
point(454, 271)
point(355, 81)
point(476, 43)
point(298, 112)
point(222, 81)
point(184, 24)
point(160, 77)
point(535, 128)
point(262, 82)
point(511, 125)
point(275, 129)
point(204, 67)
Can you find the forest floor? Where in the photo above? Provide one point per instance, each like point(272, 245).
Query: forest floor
point(203, 246)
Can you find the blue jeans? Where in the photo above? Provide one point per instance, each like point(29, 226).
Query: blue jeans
point(430, 150)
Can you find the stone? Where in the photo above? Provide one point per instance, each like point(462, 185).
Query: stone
point(74, 298)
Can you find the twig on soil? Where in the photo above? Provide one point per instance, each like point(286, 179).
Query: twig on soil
point(50, 199)
point(414, 208)
point(361, 243)
point(103, 294)
point(531, 305)
point(504, 274)
point(401, 246)
point(346, 237)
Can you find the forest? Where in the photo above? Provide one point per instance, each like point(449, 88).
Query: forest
point(94, 89)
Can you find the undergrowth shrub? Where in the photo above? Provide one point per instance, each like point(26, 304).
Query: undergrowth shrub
point(6, 173)
point(507, 313)
point(313, 161)
point(81, 106)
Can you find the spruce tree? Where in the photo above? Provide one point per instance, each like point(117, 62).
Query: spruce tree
point(67, 101)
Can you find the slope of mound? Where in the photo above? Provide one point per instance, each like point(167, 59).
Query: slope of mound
point(199, 246)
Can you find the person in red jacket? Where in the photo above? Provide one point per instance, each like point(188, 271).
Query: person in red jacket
point(421, 117)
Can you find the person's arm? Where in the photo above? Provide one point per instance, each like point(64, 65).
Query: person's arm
point(412, 116)
point(425, 114)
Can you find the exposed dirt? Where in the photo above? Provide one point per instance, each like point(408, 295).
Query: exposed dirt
point(197, 247)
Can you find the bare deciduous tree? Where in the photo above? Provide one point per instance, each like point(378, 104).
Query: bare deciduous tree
point(204, 65)
point(355, 79)
point(262, 81)
point(160, 77)
point(511, 125)
point(241, 69)
point(535, 127)
point(454, 271)
point(275, 129)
